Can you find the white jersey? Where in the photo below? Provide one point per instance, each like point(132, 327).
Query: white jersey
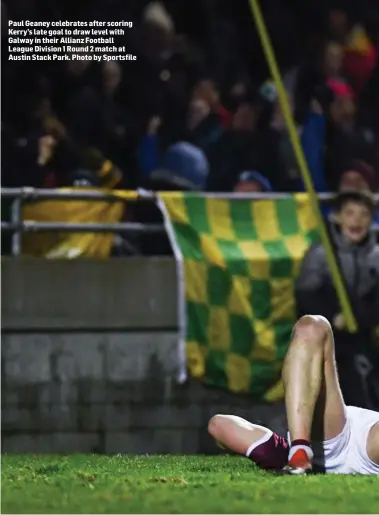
point(346, 453)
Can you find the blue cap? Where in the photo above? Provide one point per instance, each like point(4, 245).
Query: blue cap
point(184, 165)
point(255, 177)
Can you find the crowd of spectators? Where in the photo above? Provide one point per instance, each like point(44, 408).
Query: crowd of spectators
point(197, 111)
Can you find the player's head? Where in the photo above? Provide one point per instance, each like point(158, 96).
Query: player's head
point(355, 210)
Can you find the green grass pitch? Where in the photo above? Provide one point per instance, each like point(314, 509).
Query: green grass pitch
point(173, 484)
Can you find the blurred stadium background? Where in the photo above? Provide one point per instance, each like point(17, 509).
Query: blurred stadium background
point(131, 316)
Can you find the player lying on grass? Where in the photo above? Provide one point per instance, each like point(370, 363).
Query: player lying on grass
point(324, 434)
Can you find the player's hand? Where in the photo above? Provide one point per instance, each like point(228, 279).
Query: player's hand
point(339, 322)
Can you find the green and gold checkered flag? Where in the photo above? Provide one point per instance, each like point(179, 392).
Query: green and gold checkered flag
point(240, 260)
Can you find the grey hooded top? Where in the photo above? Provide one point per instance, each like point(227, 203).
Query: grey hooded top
point(359, 263)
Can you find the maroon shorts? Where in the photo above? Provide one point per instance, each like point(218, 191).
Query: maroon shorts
point(271, 455)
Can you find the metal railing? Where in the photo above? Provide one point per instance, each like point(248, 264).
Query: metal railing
point(17, 226)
